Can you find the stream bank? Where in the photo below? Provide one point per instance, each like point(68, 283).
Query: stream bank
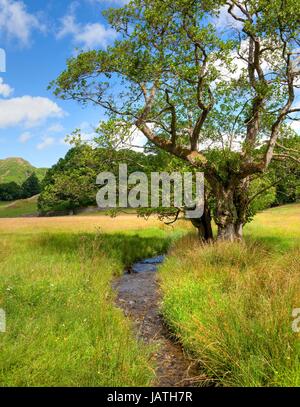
point(139, 298)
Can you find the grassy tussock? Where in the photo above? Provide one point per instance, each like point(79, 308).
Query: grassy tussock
point(62, 326)
point(231, 305)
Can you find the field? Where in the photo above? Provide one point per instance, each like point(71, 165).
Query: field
point(22, 207)
point(230, 305)
point(76, 224)
point(28, 208)
point(62, 327)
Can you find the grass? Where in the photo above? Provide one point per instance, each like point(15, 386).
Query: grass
point(62, 326)
point(76, 224)
point(231, 304)
point(21, 207)
point(94, 211)
point(28, 208)
point(278, 228)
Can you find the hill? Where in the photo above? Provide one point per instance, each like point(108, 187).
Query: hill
point(16, 169)
point(19, 208)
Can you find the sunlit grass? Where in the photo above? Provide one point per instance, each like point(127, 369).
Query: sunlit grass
point(2, 203)
point(277, 227)
point(231, 304)
point(62, 326)
point(22, 207)
point(77, 224)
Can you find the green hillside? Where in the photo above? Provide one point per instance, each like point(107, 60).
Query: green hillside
point(20, 208)
point(17, 170)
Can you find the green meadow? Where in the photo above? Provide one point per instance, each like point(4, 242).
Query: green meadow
point(62, 326)
point(229, 304)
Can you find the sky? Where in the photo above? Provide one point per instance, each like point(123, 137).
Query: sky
point(36, 38)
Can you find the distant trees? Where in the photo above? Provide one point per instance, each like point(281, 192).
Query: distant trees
point(71, 183)
point(287, 174)
point(31, 186)
point(12, 191)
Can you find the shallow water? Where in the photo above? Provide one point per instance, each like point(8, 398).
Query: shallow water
point(148, 264)
point(139, 297)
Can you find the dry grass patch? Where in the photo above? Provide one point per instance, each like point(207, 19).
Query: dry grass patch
point(77, 224)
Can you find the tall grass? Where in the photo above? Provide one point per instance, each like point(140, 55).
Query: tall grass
point(62, 326)
point(231, 306)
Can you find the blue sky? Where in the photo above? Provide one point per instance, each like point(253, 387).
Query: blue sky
point(37, 37)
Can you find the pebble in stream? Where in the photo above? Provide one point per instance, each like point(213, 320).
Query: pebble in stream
point(139, 298)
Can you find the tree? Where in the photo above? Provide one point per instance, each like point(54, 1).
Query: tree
point(287, 173)
point(10, 191)
point(31, 186)
point(209, 96)
point(71, 183)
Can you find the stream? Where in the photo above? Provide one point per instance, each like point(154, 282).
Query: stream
point(139, 298)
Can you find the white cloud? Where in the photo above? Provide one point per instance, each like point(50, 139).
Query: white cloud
point(87, 131)
point(90, 35)
point(138, 140)
point(68, 26)
point(55, 128)
point(225, 20)
point(27, 110)
point(45, 143)
point(238, 65)
point(94, 35)
point(24, 137)
point(5, 90)
point(17, 22)
point(85, 126)
point(295, 125)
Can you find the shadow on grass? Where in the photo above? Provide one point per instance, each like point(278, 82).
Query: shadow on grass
point(126, 248)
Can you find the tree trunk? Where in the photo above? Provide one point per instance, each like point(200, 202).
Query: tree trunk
point(206, 220)
point(227, 232)
point(239, 230)
point(231, 207)
point(204, 225)
point(230, 232)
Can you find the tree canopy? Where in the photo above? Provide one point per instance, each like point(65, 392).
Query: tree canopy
point(220, 96)
point(31, 186)
point(71, 183)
